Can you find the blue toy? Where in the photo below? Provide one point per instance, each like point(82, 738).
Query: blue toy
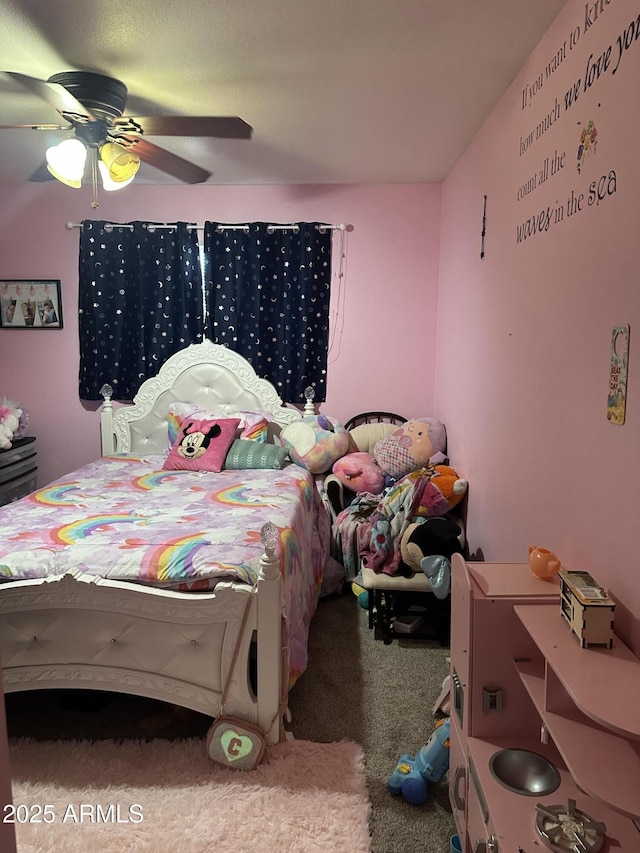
point(412, 775)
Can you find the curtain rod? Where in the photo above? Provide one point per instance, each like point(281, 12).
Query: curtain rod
point(152, 226)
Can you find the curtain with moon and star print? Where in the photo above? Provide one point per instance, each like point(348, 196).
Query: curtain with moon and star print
point(140, 300)
point(267, 291)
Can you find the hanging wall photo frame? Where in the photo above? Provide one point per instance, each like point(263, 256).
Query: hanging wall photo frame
point(617, 398)
point(30, 304)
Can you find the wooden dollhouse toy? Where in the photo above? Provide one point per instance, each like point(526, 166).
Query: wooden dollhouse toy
point(587, 608)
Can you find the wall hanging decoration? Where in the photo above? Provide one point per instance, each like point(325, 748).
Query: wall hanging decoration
point(617, 399)
point(484, 227)
point(30, 304)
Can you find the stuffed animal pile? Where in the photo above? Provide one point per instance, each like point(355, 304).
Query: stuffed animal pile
point(415, 444)
point(322, 445)
point(395, 491)
point(373, 496)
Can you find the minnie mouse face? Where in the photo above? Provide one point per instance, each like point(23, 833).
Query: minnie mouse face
point(194, 444)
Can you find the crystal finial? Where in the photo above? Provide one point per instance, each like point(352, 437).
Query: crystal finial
point(309, 394)
point(269, 536)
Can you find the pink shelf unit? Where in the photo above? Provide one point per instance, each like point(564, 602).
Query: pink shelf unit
point(589, 700)
point(603, 683)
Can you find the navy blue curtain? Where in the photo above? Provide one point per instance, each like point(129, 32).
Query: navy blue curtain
point(267, 293)
point(140, 300)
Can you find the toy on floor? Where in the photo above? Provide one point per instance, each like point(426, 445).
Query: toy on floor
point(443, 702)
point(361, 594)
point(412, 776)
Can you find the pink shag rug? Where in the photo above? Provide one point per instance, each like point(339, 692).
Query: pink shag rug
point(168, 797)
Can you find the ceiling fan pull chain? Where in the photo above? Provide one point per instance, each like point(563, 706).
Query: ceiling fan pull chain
point(94, 177)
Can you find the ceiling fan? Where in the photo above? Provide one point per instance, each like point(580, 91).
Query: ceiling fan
point(93, 106)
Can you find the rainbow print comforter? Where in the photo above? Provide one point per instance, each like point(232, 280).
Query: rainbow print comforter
point(125, 518)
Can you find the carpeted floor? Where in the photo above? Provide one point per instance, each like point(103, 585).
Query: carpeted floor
point(164, 796)
point(382, 698)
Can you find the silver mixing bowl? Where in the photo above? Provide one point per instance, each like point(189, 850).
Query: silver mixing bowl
point(524, 772)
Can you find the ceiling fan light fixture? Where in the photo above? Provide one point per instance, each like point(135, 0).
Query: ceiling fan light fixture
point(66, 162)
point(107, 181)
point(121, 164)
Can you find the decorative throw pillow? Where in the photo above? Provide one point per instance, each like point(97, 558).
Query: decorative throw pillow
point(365, 436)
point(244, 453)
point(201, 445)
point(254, 426)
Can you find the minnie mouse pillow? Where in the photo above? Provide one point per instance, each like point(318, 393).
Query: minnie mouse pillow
point(202, 445)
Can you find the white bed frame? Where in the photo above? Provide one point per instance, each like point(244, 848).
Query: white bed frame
point(172, 646)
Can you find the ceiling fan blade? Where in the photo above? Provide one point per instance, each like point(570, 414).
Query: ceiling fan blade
point(55, 94)
point(170, 163)
point(33, 127)
point(224, 127)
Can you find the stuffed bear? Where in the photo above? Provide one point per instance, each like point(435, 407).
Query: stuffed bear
point(315, 442)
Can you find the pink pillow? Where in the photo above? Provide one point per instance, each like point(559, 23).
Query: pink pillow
point(201, 445)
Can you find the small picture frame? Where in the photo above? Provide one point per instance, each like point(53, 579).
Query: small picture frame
point(30, 304)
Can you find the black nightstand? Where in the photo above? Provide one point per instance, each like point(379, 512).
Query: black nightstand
point(18, 469)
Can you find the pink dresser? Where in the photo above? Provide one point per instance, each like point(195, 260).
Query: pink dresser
point(520, 680)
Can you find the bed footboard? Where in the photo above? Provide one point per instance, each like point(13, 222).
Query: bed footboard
point(87, 632)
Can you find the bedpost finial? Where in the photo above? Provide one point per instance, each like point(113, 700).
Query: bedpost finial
point(309, 394)
point(107, 391)
point(269, 536)
point(269, 566)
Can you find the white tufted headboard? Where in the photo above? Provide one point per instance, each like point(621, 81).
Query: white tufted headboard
point(207, 374)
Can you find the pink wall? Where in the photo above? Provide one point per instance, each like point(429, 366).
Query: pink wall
point(524, 335)
point(383, 328)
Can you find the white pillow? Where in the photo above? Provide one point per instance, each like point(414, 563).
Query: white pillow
point(366, 436)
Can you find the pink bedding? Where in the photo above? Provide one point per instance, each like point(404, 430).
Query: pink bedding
point(124, 518)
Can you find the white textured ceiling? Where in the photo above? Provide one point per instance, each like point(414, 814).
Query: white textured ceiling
point(337, 91)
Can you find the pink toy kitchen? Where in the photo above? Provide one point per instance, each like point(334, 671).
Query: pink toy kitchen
point(545, 715)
